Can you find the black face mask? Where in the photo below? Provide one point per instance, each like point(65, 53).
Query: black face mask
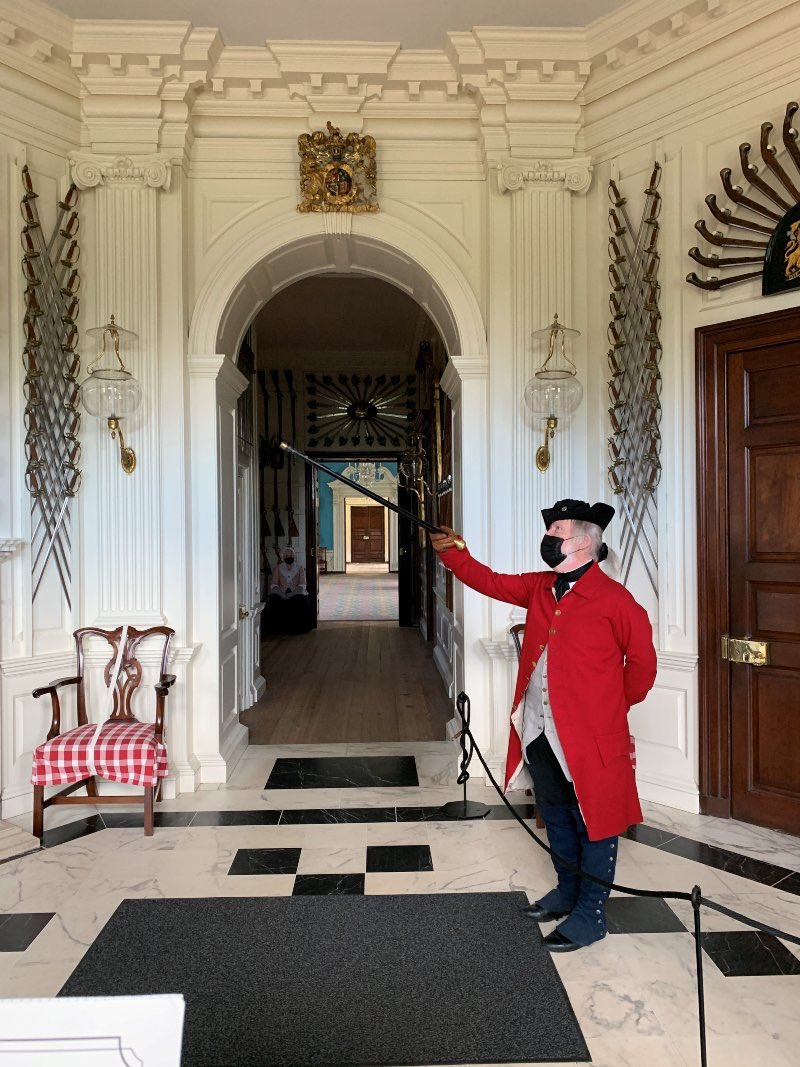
point(550, 550)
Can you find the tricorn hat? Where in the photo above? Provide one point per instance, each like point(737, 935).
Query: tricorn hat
point(600, 514)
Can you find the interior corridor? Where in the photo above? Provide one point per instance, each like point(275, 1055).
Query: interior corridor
point(349, 682)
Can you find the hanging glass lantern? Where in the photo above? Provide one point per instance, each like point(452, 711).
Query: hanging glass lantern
point(554, 391)
point(110, 391)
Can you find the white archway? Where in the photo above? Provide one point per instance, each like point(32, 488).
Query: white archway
point(256, 266)
point(281, 251)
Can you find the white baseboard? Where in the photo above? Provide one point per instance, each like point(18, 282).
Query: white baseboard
point(671, 795)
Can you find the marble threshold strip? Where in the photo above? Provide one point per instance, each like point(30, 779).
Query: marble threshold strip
point(754, 870)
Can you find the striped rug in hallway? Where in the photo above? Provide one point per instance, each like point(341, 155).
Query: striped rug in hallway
point(358, 597)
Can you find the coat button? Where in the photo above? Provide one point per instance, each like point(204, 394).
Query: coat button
point(558, 611)
point(551, 631)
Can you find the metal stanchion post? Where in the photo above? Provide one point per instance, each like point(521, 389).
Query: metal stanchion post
point(701, 1002)
point(464, 809)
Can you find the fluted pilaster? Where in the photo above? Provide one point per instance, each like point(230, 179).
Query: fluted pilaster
point(123, 563)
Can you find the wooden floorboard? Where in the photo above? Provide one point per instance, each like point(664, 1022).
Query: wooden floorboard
point(349, 682)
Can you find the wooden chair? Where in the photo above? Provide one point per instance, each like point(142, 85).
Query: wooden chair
point(126, 750)
point(517, 633)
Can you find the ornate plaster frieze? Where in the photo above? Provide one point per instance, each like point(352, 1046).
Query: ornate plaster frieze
point(575, 175)
point(35, 40)
point(89, 171)
point(640, 38)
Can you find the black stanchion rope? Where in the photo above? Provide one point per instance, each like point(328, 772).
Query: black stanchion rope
point(695, 897)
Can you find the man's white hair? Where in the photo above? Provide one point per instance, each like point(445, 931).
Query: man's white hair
point(582, 528)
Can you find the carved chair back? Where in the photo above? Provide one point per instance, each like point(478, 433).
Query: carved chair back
point(130, 672)
point(517, 632)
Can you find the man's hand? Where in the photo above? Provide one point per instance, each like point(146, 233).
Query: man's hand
point(447, 539)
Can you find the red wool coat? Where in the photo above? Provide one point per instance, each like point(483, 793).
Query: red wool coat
point(600, 662)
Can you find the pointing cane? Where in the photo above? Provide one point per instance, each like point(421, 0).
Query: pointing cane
point(277, 443)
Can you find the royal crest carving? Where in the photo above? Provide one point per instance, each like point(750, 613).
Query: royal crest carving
point(337, 173)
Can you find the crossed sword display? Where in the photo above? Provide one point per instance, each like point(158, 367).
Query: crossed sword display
point(635, 384)
point(52, 415)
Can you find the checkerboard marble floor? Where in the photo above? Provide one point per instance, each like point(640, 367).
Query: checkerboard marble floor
point(633, 993)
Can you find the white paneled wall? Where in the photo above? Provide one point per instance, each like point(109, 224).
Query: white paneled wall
point(494, 158)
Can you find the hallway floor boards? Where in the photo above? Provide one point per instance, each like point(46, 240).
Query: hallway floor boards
point(349, 682)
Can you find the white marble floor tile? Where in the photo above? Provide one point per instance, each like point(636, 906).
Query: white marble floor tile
point(332, 860)
point(726, 1050)
point(612, 1006)
point(783, 850)
point(399, 833)
point(467, 879)
point(665, 967)
point(624, 1051)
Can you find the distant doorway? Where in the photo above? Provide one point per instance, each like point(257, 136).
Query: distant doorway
point(367, 541)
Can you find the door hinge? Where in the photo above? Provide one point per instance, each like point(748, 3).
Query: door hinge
point(744, 650)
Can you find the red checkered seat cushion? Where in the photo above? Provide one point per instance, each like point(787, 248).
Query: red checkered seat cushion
point(126, 752)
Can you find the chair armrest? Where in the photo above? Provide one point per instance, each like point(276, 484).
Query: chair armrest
point(162, 689)
point(164, 683)
point(40, 692)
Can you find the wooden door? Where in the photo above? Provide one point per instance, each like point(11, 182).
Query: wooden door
point(366, 535)
point(750, 564)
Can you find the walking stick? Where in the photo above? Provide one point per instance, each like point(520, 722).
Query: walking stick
point(278, 444)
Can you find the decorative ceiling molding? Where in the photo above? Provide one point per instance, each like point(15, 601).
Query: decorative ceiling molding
point(642, 38)
point(156, 85)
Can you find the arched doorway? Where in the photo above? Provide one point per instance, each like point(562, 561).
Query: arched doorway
point(257, 264)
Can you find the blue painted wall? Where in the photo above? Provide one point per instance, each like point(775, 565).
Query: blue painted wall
point(326, 501)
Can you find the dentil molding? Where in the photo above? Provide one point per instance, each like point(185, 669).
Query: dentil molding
point(575, 175)
point(89, 171)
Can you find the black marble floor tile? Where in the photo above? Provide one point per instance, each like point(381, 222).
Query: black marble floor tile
point(421, 813)
point(72, 830)
point(115, 820)
point(335, 885)
point(266, 817)
point(265, 861)
point(642, 915)
point(724, 860)
point(649, 835)
point(389, 859)
point(790, 884)
point(315, 816)
point(500, 811)
point(749, 954)
point(343, 772)
point(17, 932)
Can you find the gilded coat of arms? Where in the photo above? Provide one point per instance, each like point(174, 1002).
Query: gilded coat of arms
point(337, 173)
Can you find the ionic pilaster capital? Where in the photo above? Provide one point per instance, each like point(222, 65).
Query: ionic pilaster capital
point(575, 175)
point(151, 172)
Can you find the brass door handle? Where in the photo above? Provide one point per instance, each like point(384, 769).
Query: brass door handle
point(366, 537)
point(745, 650)
point(243, 612)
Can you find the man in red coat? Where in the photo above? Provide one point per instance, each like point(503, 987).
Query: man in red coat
point(587, 658)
